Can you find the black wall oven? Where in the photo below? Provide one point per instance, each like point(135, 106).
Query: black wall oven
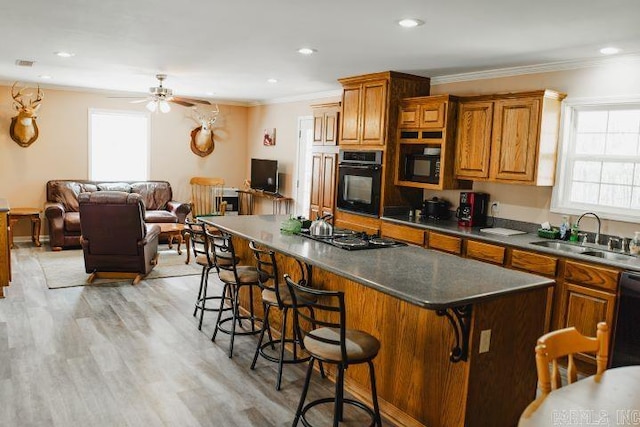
point(359, 180)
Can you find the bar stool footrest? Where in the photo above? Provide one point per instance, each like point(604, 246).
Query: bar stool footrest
point(198, 304)
point(253, 320)
point(276, 343)
point(331, 400)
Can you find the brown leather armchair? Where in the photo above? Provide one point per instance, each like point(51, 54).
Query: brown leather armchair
point(115, 239)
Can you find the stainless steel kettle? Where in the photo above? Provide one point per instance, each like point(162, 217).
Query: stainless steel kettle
point(320, 227)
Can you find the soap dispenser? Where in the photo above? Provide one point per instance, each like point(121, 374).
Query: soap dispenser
point(634, 245)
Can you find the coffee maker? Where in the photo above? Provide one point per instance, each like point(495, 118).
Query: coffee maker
point(473, 209)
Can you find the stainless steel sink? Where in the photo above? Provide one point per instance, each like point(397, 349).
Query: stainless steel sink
point(613, 256)
point(563, 246)
point(585, 250)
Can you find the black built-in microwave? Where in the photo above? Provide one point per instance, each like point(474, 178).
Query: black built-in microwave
point(422, 168)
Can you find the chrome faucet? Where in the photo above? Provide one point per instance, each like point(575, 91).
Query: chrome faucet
point(597, 237)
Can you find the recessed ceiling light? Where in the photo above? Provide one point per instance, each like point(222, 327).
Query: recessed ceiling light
point(63, 54)
point(209, 93)
point(307, 51)
point(410, 22)
point(609, 50)
point(272, 80)
point(44, 76)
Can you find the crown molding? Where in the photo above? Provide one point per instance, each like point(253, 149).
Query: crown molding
point(296, 98)
point(534, 69)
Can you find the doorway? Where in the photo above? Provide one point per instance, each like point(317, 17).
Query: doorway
point(303, 166)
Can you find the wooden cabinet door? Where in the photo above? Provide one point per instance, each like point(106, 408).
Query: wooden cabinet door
point(330, 134)
point(432, 115)
point(316, 185)
point(473, 145)
point(318, 129)
point(328, 183)
point(584, 308)
point(401, 232)
point(444, 242)
point(535, 263)
point(350, 124)
point(514, 143)
point(409, 116)
point(373, 112)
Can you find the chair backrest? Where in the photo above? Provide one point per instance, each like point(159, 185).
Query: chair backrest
point(266, 266)
point(207, 196)
point(327, 311)
point(224, 255)
point(566, 342)
point(112, 222)
point(199, 240)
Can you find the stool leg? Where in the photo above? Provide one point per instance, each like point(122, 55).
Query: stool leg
point(283, 335)
point(338, 407)
point(374, 395)
point(195, 310)
point(204, 297)
point(265, 325)
point(235, 305)
point(225, 289)
point(305, 388)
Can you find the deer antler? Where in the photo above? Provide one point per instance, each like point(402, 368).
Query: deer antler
point(205, 119)
point(17, 97)
point(39, 97)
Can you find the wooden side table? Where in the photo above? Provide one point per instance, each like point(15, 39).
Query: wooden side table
point(33, 214)
point(175, 231)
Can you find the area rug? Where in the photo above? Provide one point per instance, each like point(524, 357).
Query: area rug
point(65, 269)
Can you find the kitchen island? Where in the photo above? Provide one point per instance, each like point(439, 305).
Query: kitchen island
point(429, 311)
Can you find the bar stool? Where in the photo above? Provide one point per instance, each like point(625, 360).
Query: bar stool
point(276, 295)
point(331, 342)
point(203, 257)
point(234, 277)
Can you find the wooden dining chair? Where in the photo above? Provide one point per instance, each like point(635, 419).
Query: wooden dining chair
point(567, 342)
point(207, 196)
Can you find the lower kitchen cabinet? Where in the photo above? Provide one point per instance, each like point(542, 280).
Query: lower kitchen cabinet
point(485, 252)
point(403, 233)
point(445, 243)
point(534, 263)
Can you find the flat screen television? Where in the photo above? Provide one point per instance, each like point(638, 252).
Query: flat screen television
point(264, 175)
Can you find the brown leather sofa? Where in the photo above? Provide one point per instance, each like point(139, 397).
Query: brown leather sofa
point(122, 246)
point(62, 209)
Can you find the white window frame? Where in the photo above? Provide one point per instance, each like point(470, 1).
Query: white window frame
point(560, 201)
point(92, 111)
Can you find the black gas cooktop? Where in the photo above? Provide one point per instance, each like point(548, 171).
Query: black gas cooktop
point(353, 240)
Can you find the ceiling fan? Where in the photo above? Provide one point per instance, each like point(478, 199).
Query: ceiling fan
point(160, 96)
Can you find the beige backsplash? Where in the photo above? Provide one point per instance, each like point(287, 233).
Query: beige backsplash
point(532, 204)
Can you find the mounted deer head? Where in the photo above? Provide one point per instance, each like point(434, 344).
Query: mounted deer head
point(24, 129)
point(202, 137)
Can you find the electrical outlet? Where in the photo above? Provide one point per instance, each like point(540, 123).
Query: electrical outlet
point(495, 207)
point(485, 341)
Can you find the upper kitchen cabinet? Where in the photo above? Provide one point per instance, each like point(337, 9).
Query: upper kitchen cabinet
point(426, 143)
point(325, 123)
point(369, 105)
point(511, 138)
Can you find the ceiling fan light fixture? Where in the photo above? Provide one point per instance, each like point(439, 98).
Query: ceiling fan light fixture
point(152, 106)
point(164, 106)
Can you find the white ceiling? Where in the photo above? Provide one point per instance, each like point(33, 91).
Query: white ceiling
point(231, 48)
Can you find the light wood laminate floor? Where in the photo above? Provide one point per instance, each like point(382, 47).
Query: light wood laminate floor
point(122, 355)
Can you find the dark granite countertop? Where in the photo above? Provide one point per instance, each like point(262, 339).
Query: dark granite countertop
point(523, 241)
point(427, 278)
